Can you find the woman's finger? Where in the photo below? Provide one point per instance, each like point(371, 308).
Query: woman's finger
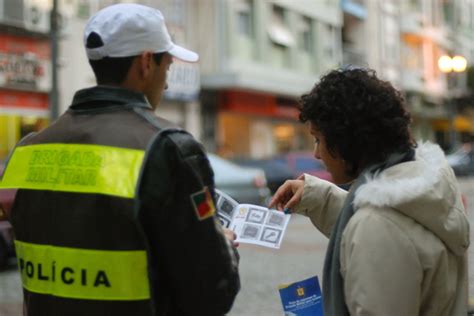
point(279, 198)
point(295, 199)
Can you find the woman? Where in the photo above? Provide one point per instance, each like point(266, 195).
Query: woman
point(398, 238)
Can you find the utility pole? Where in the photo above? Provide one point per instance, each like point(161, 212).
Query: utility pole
point(54, 94)
point(452, 110)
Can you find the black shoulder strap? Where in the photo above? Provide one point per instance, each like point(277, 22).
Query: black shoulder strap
point(162, 132)
point(147, 115)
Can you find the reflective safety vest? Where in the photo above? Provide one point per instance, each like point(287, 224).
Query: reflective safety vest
point(80, 249)
point(74, 168)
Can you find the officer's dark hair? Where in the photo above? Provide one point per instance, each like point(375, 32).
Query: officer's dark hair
point(112, 70)
point(363, 119)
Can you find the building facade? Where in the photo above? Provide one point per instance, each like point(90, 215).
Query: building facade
point(25, 70)
point(425, 38)
point(406, 40)
point(257, 58)
point(461, 21)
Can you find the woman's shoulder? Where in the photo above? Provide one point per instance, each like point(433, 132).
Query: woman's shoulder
point(388, 225)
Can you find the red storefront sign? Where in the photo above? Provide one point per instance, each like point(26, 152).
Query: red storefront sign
point(23, 100)
point(255, 103)
point(24, 63)
point(21, 45)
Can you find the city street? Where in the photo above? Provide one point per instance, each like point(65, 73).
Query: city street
point(264, 87)
point(262, 269)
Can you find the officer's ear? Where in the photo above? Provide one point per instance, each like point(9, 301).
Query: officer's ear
point(140, 73)
point(145, 64)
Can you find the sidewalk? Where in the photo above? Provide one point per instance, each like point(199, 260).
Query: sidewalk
point(262, 269)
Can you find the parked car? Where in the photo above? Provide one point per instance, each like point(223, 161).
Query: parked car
point(462, 160)
point(245, 185)
point(304, 162)
point(276, 172)
point(7, 248)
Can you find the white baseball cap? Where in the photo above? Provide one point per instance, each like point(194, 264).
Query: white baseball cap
point(128, 29)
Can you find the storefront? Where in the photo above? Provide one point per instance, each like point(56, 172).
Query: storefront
point(462, 126)
point(24, 86)
point(251, 124)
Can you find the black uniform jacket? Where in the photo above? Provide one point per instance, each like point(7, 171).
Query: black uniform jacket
point(192, 269)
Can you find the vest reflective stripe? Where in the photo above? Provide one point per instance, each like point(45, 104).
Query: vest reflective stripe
point(83, 274)
point(74, 168)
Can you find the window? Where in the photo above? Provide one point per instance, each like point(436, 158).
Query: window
point(244, 29)
point(391, 39)
point(412, 53)
point(465, 15)
point(278, 31)
point(305, 39)
point(329, 36)
point(471, 10)
point(83, 9)
point(281, 38)
point(435, 14)
point(244, 17)
point(278, 16)
point(414, 5)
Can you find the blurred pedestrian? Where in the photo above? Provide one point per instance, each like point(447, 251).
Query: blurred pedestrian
point(398, 237)
point(115, 212)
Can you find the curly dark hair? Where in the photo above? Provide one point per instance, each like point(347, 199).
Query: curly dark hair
point(362, 118)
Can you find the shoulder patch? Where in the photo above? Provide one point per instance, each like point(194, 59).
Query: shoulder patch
point(203, 204)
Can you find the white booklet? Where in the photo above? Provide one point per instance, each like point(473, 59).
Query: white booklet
point(252, 224)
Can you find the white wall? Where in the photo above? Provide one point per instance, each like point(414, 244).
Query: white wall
point(74, 72)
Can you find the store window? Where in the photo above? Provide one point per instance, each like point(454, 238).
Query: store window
point(15, 127)
point(233, 138)
point(292, 136)
point(30, 124)
point(284, 136)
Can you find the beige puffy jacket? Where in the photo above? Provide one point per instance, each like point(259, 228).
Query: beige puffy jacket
point(403, 253)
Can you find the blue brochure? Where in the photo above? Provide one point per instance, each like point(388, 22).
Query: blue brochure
point(302, 298)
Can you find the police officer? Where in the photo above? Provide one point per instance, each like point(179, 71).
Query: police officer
point(115, 212)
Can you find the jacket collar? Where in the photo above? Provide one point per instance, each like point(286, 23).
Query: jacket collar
point(100, 97)
point(408, 181)
point(426, 191)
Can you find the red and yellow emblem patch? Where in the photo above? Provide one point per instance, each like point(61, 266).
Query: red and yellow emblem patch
point(203, 204)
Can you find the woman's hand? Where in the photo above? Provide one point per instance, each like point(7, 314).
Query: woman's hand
point(288, 195)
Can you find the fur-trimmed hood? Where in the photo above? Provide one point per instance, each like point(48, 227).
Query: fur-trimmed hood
point(426, 190)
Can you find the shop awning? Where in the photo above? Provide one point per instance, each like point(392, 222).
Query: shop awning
point(462, 124)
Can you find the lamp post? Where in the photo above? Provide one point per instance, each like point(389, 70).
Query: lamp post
point(450, 66)
point(54, 44)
